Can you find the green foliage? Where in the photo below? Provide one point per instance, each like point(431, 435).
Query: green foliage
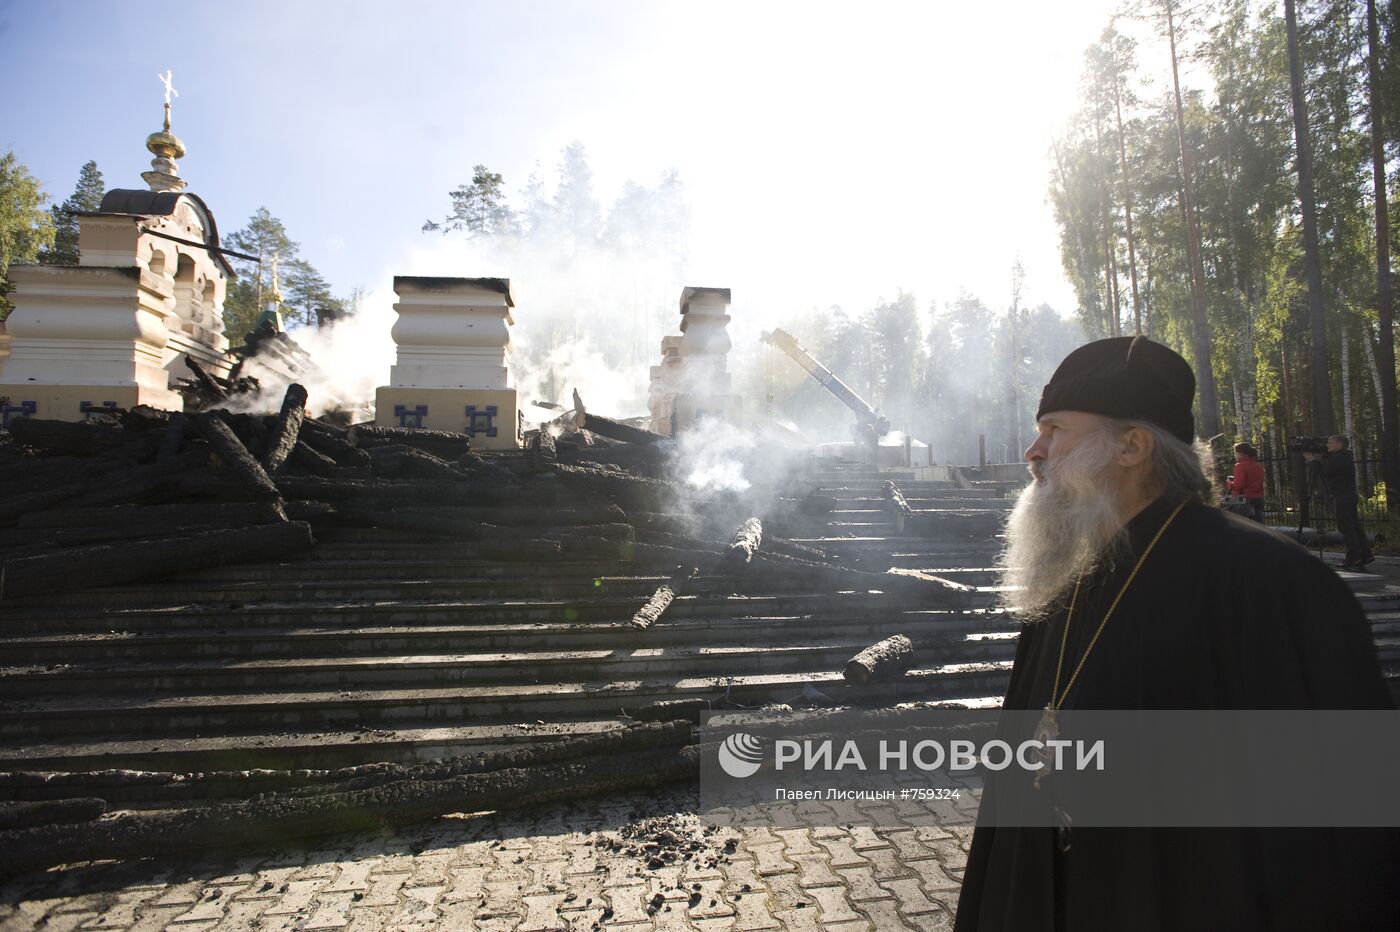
point(478, 208)
point(26, 229)
point(86, 197)
point(306, 296)
point(1240, 134)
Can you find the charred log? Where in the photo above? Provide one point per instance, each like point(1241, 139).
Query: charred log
point(330, 441)
point(661, 599)
point(617, 430)
point(284, 438)
point(211, 388)
point(628, 491)
point(18, 815)
point(506, 516)
point(268, 820)
point(885, 660)
point(247, 471)
point(172, 438)
point(438, 442)
point(113, 564)
point(540, 451)
point(128, 515)
point(76, 438)
point(307, 459)
point(673, 710)
point(747, 539)
point(404, 462)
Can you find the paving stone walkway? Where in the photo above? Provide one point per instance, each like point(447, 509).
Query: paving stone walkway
point(592, 864)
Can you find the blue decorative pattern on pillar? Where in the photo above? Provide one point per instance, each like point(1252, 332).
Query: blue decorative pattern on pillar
point(416, 415)
point(23, 409)
point(481, 422)
point(88, 409)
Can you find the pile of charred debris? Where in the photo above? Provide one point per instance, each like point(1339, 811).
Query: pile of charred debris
point(132, 496)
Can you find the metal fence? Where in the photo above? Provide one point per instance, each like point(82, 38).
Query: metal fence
point(1293, 498)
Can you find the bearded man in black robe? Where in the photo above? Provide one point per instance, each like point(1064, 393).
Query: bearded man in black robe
point(1221, 614)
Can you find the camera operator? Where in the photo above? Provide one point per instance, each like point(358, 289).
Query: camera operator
point(1338, 470)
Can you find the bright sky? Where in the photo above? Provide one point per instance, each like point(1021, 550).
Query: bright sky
point(832, 153)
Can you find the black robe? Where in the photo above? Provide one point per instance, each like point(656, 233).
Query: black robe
point(1224, 614)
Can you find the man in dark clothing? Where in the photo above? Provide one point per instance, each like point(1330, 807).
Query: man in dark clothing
point(1339, 474)
point(1138, 595)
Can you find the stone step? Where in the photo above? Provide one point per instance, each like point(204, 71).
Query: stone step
point(253, 713)
point(540, 665)
point(235, 643)
point(351, 614)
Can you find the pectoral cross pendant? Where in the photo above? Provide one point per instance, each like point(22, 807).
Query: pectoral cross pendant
point(1046, 731)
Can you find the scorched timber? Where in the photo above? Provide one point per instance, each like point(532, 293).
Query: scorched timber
point(512, 516)
point(747, 539)
point(136, 561)
point(127, 515)
point(437, 442)
point(405, 462)
point(330, 441)
point(75, 438)
point(662, 598)
point(247, 471)
point(673, 730)
point(268, 820)
point(305, 457)
point(629, 491)
point(886, 660)
point(284, 438)
point(444, 526)
point(378, 493)
point(616, 430)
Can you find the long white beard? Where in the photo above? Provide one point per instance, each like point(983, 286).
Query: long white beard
point(1062, 527)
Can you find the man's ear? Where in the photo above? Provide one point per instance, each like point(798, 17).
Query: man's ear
point(1135, 447)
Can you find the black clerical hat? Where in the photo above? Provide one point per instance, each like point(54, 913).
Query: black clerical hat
point(1125, 377)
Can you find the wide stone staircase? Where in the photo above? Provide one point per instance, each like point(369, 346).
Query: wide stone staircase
point(385, 645)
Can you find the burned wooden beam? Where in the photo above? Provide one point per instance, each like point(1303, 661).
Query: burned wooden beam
point(616, 430)
point(279, 817)
point(206, 382)
point(127, 515)
point(747, 539)
point(330, 441)
point(438, 442)
point(308, 459)
point(540, 451)
point(137, 561)
point(141, 482)
point(20, 814)
point(172, 438)
point(885, 660)
point(379, 493)
point(662, 598)
point(72, 437)
point(284, 438)
point(503, 515)
point(628, 490)
point(247, 471)
point(404, 462)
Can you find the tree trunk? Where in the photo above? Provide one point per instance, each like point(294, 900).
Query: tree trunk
point(1127, 206)
point(1321, 395)
point(1200, 324)
point(1390, 432)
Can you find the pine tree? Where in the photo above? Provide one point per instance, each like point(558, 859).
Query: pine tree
point(86, 197)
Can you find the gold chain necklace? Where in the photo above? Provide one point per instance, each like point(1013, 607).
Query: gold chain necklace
point(1048, 729)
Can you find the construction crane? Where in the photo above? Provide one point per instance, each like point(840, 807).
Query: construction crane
point(870, 425)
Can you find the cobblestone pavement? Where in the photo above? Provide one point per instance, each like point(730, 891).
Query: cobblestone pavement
point(585, 865)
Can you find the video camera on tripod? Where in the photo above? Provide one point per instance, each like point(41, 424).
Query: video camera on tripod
point(1307, 445)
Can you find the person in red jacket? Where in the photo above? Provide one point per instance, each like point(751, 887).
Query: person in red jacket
point(1248, 480)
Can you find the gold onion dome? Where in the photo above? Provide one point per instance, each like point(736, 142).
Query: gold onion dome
point(165, 145)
